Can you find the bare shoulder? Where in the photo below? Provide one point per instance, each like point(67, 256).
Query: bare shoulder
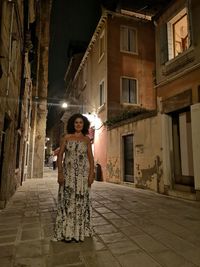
point(65, 137)
point(87, 139)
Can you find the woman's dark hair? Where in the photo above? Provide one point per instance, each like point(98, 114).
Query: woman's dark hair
point(70, 124)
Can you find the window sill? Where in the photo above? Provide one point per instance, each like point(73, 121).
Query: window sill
point(129, 52)
point(130, 104)
point(179, 62)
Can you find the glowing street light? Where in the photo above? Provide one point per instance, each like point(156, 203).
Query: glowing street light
point(64, 105)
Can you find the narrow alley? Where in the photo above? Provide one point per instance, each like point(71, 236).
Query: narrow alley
point(133, 228)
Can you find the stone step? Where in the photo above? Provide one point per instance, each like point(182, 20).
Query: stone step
point(184, 188)
point(182, 194)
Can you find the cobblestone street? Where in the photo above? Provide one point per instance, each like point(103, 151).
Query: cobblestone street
point(133, 228)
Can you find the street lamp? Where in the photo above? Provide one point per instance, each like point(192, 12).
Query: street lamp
point(64, 105)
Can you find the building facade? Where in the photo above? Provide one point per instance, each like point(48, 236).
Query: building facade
point(11, 46)
point(177, 77)
point(139, 83)
point(22, 68)
point(115, 80)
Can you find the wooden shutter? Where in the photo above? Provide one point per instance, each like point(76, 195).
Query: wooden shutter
point(125, 90)
point(124, 39)
point(132, 40)
point(163, 44)
point(133, 91)
point(102, 94)
point(193, 14)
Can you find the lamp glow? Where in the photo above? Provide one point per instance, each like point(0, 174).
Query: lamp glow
point(64, 105)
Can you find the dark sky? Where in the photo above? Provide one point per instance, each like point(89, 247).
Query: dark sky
point(71, 20)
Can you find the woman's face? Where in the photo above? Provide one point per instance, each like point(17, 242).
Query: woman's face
point(78, 124)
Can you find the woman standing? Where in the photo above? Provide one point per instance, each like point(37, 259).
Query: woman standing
point(75, 176)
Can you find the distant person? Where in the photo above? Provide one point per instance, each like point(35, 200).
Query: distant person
point(75, 177)
point(50, 161)
point(55, 157)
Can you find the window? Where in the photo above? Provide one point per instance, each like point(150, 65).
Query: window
point(101, 45)
point(101, 94)
point(178, 34)
point(128, 38)
point(129, 91)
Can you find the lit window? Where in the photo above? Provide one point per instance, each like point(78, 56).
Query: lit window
point(101, 94)
point(101, 45)
point(129, 91)
point(128, 39)
point(178, 34)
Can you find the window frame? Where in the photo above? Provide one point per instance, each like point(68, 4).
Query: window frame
point(121, 40)
point(103, 100)
point(121, 91)
point(170, 32)
point(101, 45)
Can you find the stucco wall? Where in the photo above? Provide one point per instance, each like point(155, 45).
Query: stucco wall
point(139, 66)
point(148, 172)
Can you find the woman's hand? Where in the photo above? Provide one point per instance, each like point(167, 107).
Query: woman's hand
point(60, 178)
point(90, 179)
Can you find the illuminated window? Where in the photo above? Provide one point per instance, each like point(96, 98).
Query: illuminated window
point(178, 34)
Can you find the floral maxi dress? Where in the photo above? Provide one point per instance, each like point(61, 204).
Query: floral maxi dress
point(73, 219)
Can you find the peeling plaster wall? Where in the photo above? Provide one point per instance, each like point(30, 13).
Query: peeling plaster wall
point(148, 169)
point(114, 155)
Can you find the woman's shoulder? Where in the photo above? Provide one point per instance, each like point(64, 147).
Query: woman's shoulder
point(87, 139)
point(65, 137)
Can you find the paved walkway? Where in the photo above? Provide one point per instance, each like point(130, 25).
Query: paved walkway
point(133, 228)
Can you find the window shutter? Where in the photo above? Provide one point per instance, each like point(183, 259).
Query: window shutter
point(102, 100)
point(163, 44)
point(125, 90)
point(124, 39)
point(193, 12)
point(133, 92)
point(132, 40)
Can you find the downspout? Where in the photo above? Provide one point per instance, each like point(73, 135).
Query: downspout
point(10, 48)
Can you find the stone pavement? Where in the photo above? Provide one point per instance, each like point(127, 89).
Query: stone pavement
point(133, 228)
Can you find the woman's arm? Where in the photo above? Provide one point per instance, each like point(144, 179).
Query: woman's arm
point(91, 162)
point(60, 158)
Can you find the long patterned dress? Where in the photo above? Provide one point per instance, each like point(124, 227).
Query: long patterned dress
point(73, 219)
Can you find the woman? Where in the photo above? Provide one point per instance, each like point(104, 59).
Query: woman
point(75, 176)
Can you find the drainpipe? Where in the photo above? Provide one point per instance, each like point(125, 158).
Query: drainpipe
point(10, 47)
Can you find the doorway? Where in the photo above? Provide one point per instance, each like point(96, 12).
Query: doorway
point(182, 148)
point(128, 158)
point(3, 138)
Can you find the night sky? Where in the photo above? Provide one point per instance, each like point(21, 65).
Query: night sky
point(71, 20)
